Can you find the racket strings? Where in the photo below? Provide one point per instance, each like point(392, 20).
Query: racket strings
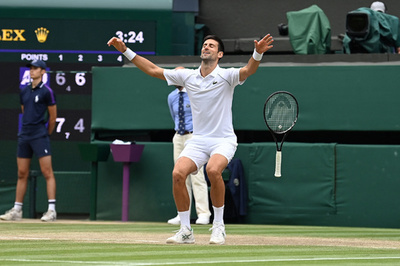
point(281, 112)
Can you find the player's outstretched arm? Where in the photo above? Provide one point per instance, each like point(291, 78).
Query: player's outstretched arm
point(260, 47)
point(142, 63)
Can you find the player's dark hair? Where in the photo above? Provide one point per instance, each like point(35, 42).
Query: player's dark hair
point(221, 47)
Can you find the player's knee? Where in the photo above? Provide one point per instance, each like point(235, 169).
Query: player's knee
point(213, 174)
point(23, 174)
point(47, 173)
point(178, 177)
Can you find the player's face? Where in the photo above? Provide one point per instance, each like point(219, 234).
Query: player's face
point(210, 50)
point(36, 72)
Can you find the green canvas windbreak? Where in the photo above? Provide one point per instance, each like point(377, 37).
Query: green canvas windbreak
point(383, 33)
point(306, 189)
point(309, 31)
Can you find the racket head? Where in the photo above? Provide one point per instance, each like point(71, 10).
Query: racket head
point(281, 110)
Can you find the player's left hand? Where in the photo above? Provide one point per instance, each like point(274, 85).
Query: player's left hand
point(264, 44)
point(117, 43)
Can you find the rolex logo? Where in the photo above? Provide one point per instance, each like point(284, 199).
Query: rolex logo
point(41, 34)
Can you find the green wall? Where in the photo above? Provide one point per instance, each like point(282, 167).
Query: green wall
point(150, 186)
point(71, 172)
point(333, 98)
point(306, 188)
point(321, 184)
point(368, 178)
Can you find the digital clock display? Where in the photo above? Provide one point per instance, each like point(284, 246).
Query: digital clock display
point(73, 41)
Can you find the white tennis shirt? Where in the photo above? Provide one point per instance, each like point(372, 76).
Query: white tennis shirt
point(210, 97)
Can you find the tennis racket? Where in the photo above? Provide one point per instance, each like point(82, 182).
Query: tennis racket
point(280, 114)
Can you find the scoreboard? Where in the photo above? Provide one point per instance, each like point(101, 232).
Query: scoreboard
point(73, 41)
point(70, 48)
point(71, 37)
point(73, 90)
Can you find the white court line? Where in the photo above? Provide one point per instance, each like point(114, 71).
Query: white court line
point(198, 262)
point(23, 238)
point(92, 239)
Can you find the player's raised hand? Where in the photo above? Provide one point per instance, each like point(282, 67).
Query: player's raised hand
point(264, 44)
point(117, 43)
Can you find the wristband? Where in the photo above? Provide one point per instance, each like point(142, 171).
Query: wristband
point(256, 55)
point(129, 54)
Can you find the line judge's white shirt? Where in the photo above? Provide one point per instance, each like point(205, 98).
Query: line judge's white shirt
point(210, 97)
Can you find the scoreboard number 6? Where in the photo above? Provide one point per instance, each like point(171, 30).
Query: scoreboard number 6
point(80, 79)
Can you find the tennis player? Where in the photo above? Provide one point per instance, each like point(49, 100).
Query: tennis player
point(210, 90)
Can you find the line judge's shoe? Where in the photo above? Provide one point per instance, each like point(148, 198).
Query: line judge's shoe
point(49, 216)
point(175, 221)
point(203, 219)
point(183, 236)
point(218, 234)
point(12, 215)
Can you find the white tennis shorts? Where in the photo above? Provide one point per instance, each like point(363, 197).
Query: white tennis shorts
point(200, 149)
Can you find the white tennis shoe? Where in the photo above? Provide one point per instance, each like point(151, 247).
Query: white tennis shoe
point(12, 215)
point(175, 221)
point(203, 219)
point(183, 236)
point(218, 234)
point(49, 216)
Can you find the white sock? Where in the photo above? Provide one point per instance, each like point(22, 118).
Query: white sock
point(52, 205)
point(219, 214)
point(185, 218)
point(18, 206)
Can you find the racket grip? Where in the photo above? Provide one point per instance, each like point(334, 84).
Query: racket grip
point(278, 161)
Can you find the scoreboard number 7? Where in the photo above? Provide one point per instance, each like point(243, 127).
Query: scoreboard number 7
point(79, 126)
